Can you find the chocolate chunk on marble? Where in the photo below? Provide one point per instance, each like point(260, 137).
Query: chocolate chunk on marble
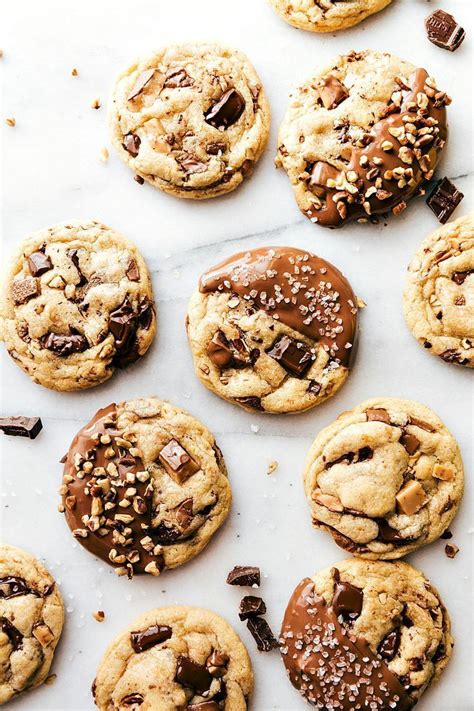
point(21, 426)
point(244, 576)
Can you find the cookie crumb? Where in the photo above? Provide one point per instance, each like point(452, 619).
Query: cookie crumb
point(96, 104)
point(1, 53)
point(99, 615)
point(361, 303)
point(104, 155)
point(273, 466)
point(50, 679)
point(138, 179)
point(74, 72)
point(451, 550)
point(10, 121)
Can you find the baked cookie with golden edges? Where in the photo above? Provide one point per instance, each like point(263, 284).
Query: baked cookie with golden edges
point(361, 137)
point(365, 634)
point(76, 303)
point(191, 119)
point(31, 621)
point(145, 486)
point(326, 15)
point(439, 295)
point(384, 479)
point(175, 659)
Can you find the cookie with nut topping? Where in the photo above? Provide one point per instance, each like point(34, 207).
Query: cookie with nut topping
point(76, 303)
point(361, 137)
point(384, 479)
point(193, 657)
point(365, 634)
point(191, 119)
point(144, 487)
point(31, 621)
point(273, 329)
point(326, 15)
point(439, 293)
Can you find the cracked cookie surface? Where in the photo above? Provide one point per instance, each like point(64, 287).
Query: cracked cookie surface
point(145, 486)
point(326, 15)
point(361, 137)
point(192, 119)
point(76, 303)
point(370, 633)
point(31, 620)
point(439, 294)
point(273, 329)
point(193, 657)
point(384, 479)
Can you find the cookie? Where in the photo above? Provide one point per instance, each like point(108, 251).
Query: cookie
point(365, 635)
point(326, 15)
point(191, 119)
point(31, 621)
point(439, 294)
point(175, 659)
point(361, 137)
point(76, 303)
point(145, 486)
point(384, 479)
point(273, 329)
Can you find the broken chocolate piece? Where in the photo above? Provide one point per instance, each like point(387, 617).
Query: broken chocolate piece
point(39, 263)
point(347, 600)
point(144, 639)
point(460, 277)
point(410, 442)
point(295, 356)
point(330, 92)
point(444, 31)
point(132, 271)
point(192, 675)
point(253, 402)
point(63, 346)
point(388, 647)
point(184, 514)
point(216, 664)
point(451, 550)
point(422, 424)
point(191, 163)
point(251, 606)
point(177, 462)
point(166, 534)
point(13, 634)
point(444, 199)
point(24, 289)
point(226, 111)
point(177, 79)
point(377, 415)
point(262, 634)
point(219, 350)
point(453, 356)
point(21, 426)
point(131, 143)
point(123, 326)
point(244, 576)
point(12, 586)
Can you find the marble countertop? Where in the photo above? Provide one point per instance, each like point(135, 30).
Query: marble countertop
point(51, 172)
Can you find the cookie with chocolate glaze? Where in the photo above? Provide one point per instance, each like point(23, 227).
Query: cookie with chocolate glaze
point(326, 15)
point(76, 303)
point(191, 119)
point(31, 621)
point(365, 634)
point(273, 329)
point(439, 293)
point(144, 487)
point(194, 658)
point(384, 479)
point(361, 137)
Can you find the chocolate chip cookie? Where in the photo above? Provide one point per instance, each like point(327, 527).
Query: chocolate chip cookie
point(76, 303)
point(191, 119)
point(31, 621)
point(326, 15)
point(365, 634)
point(145, 486)
point(273, 329)
point(384, 479)
point(361, 137)
point(178, 659)
point(439, 293)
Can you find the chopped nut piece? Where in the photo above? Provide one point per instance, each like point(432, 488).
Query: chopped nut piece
point(99, 615)
point(451, 550)
point(74, 72)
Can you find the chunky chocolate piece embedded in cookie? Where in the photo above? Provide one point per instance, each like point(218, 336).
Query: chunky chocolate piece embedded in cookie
point(76, 303)
point(134, 497)
point(382, 655)
point(384, 479)
point(273, 329)
point(378, 125)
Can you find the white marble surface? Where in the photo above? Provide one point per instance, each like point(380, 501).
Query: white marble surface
point(51, 172)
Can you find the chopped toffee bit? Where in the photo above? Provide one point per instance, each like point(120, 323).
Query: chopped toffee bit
point(39, 263)
point(177, 462)
point(144, 639)
point(192, 675)
point(21, 426)
point(251, 606)
point(411, 498)
point(244, 576)
point(50, 679)
point(104, 154)
point(142, 81)
point(99, 615)
point(451, 550)
point(226, 111)
point(410, 442)
point(444, 31)
point(294, 356)
point(444, 199)
point(96, 104)
point(74, 72)
point(378, 415)
point(262, 634)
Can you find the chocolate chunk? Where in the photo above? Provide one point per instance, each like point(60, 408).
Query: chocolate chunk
point(177, 462)
point(347, 600)
point(215, 148)
point(145, 313)
point(177, 79)
point(63, 346)
point(166, 534)
point(219, 350)
point(184, 514)
point(24, 289)
point(216, 664)
point(446, 536)
point(13, 634)
point(74, 257)
point(364, 454)
point(123, 326)
point(21, 426)
point(453, 356)
point(262, 634)
point(242, 354)
point(330, 92)
point(451, 550)
point(12, 586)
point(422, 424)
point(203, 706)
point(144, 639)
point(294, 356)
point(192, 675)
point(142, 80)
point(131, 143)
point(444, 199)
point(226, 111)
point(132, 699)
point(410, 442)
point(251, 606)
point(387, 534)
point(244, 576)
point(39, 263)
point(388, 647)
point(460, 277)
point(132, 271)
point(444, 31)
point(253, 402)
point(191, 163)
point(377, 415)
